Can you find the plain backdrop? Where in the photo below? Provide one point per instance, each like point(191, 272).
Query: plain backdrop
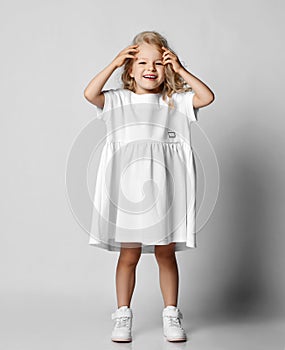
point(50, 50)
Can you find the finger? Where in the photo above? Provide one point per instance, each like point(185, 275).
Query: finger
point(167, 59)
point(131, 50)
point(166, 54)
point(131, 56)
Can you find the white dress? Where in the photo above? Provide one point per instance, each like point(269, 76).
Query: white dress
point(145, 193)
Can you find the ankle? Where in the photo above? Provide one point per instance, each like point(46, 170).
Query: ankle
point(170, 305)
point(123, 305)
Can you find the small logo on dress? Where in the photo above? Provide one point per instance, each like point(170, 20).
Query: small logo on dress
point(171, 134)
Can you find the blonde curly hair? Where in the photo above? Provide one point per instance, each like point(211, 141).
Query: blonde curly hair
point(173, 82)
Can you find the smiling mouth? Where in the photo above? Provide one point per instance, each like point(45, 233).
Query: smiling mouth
point(150, 77)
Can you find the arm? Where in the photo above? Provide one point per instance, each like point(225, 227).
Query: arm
point(203, 95)
point(93, 92)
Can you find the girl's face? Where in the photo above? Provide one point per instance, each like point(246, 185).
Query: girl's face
point(147, 69)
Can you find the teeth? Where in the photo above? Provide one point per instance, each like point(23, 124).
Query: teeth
point(150, 76)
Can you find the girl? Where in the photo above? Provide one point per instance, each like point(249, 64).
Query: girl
point(152, 73)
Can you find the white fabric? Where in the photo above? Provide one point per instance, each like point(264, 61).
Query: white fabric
point(146, 182)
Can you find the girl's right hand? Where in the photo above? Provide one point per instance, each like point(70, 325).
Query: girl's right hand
point(119, 60)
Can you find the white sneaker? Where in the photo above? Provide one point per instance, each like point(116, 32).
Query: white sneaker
point(122, 325)
point(172, 328)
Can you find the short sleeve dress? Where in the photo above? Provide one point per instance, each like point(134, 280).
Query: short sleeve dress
point(145, 192)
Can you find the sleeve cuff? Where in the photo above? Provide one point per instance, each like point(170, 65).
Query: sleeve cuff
point(192, 112)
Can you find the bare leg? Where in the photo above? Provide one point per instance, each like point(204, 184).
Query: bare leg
point(168, 273)
point(126, 274)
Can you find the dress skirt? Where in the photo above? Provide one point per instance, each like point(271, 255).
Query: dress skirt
point(145, 195)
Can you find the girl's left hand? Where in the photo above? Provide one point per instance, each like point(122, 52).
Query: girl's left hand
point(169, 57)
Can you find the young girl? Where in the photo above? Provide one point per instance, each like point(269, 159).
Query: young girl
point(152, 77)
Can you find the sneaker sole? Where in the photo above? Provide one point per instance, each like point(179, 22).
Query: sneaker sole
point(175, 339)
point(121, 340)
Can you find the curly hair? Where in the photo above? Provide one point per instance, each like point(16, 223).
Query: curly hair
point(172, 83)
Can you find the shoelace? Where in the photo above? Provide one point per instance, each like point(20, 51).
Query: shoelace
point(122, 321)
point(173, 321)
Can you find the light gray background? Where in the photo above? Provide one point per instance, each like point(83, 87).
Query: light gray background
point(59, 292)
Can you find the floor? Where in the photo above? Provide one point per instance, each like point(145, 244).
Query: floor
point(36, 322)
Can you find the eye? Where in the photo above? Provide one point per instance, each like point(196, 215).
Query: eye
point(159, 63)
point(142, 63)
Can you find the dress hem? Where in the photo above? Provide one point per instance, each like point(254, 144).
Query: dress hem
point(146, 248)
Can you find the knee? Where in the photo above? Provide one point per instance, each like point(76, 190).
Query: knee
point(129, 256)
point(165, 254)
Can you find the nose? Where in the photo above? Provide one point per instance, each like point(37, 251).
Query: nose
point(151, 67)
